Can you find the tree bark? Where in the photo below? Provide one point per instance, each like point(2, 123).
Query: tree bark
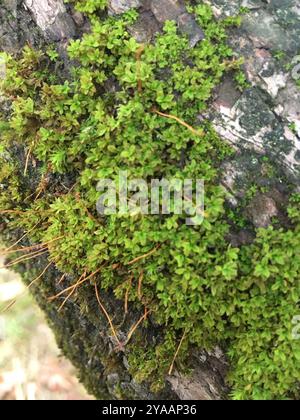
point(256, 122)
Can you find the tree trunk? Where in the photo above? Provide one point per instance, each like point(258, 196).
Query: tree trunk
point(257, 121)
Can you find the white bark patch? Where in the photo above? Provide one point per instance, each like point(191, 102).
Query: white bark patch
point(45, 12)
point(227, 125)
point(275, 83)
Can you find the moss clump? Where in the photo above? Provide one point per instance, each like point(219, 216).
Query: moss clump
point(105, 120)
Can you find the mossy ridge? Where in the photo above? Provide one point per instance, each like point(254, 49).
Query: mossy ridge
point(195, 284)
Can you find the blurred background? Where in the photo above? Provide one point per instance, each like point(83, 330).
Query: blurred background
point(31, 367)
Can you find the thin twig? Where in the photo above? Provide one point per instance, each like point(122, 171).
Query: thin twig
point(141, 278)
point(107, 316)
point(19, 212)
point(12, 212)
point(176, 354)
point(146, 313)
point(142, 257)
point(135, 327)
point(68, 289)
point(41, 188)
point(22, 237)
point(27, 159)
point(40, 276)
point(61, 279)
point(183, 123)
point(7, 308)
point(22, 259)
point(11, 304)
point(29, 248)
point(71, 293)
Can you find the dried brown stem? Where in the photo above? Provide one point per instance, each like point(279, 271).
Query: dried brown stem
point(135, 327)
point(107, 316)
point(140, 284)
point(29, 248)
point(68, 289)
point(40, 276)
point(22, 259)
point(176, 354)
point(142, 257)
point(183, 123)
point(71, 293)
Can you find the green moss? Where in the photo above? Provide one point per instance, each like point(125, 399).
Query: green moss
point(102, 121)
point(88, 6)
point(9, 184)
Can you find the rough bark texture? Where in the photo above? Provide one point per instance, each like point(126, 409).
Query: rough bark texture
point(256, 122)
